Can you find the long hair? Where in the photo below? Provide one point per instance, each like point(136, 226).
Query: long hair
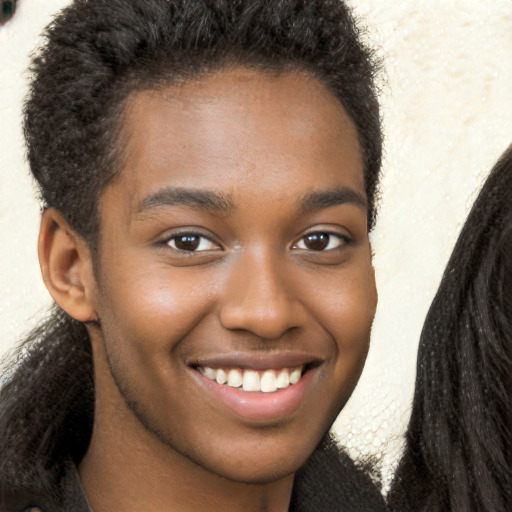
point(46, 405)
point(458, 444)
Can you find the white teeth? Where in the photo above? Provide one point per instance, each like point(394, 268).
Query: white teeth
point(295, 375)
point(221, 376)
point(234, 378)
point(210, 373)
point(283, 379)
point(251, 381)
point(268, 382)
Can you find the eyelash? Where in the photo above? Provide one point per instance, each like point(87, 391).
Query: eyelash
point(203, 243)
point(342, 239)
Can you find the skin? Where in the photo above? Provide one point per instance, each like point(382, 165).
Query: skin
point(273, 176)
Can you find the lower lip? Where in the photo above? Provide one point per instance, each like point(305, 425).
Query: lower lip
point(259, 406)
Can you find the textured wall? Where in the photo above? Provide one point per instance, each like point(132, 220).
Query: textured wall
point(447, 106)
point(447, 100)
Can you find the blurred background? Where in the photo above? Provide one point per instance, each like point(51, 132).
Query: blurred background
point(446, 95)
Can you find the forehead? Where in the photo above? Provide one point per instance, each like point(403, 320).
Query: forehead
point(239, 126)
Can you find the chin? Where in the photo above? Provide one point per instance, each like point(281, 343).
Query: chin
point(267, 460)
point(261, 473)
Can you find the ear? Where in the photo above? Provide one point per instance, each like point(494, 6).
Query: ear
point(66, 265)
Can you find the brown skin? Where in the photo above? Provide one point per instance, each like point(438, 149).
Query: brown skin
point(257, 284)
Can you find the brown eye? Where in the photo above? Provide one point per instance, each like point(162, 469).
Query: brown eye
point(190, 242)
point(320, 242)
point(316, 241)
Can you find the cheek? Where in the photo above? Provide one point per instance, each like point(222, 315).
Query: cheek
point(348, 315)
point(349, 309)
point(151, 311)
point(348, 312)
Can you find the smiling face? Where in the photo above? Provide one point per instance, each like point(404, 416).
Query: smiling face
point(235, 286)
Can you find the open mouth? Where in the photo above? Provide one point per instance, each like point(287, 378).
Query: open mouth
point(250, 380)
point(259, 388)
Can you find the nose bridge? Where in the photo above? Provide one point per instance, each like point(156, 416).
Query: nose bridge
point(259, 296)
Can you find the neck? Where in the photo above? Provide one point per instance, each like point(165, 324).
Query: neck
point(127, 468)
point(133, 479)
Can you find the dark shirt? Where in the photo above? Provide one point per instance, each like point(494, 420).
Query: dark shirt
point(329, 481)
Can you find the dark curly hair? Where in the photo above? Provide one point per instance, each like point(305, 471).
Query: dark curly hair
point(458, 453)
point(97, 53)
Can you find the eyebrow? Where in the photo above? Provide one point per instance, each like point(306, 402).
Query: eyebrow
point(333, 197)
point(205, 200)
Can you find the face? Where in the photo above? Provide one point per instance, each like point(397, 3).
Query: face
point(235, 286)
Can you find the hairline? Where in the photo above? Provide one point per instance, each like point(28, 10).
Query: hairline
point(134, 85)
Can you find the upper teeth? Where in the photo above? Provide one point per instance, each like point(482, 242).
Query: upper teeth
point(266, 381)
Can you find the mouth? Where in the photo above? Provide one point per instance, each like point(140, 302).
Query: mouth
point(259, 388)
point(253, 380)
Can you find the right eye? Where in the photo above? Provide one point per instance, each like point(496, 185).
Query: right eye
point(322, 241)
point(191, 242)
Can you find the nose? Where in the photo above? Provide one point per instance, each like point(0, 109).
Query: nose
point(260, 297)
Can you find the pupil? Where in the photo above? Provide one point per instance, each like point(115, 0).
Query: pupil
point(187, 242)
point(317, 241)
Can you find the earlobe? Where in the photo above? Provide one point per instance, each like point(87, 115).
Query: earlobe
point(66, 266)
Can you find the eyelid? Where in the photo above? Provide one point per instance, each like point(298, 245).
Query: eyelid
point(201, 247)
point(345, 239)
point(191, 231)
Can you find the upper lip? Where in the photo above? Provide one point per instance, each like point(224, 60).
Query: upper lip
point(258, 361)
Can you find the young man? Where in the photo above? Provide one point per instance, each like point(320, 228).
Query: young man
point(208, 173)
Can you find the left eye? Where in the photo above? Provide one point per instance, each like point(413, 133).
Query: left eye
point(190, 242)
point(320, 242)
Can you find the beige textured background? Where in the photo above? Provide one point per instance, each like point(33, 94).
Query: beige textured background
point(447, 106)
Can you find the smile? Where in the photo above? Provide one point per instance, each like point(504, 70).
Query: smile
point(250, 380)
point(259, 388)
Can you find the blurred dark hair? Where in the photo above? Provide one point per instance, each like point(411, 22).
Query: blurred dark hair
point(97, 53)
point(458, 444)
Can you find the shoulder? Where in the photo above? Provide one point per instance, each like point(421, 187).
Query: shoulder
point(331, 481)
